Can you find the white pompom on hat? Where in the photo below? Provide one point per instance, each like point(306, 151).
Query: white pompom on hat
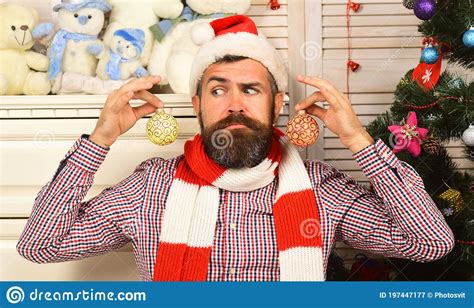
point(237, 36)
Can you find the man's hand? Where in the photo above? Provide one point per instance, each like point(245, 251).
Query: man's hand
point(340, 118)
point(117, 116)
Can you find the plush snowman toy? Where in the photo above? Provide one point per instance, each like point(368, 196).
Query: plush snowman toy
point(174, 49)
point(122, 60)
point(80, 22)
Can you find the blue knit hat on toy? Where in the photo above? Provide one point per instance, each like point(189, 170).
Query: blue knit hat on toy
point(74, 5)
point(135, 36)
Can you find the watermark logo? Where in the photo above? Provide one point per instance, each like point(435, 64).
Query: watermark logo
point(310, 228)
point(311, 51)
point(399, 142)
point(15, 295)
point(222, 139)
point(43, 139)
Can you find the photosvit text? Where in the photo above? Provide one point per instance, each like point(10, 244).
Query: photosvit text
point(418, 294)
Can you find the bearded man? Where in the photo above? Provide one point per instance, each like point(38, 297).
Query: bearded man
point(239, 204)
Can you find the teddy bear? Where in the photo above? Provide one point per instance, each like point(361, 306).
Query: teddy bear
point(22, 71)
point(174, 49)
point(140, 14)
point(122, 60)
point(80, 22)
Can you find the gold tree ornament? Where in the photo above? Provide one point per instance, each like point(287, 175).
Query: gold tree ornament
point(162, 128)
point(302, 130)
point(454, 198)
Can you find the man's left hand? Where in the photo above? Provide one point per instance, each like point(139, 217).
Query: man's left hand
point(340, 118)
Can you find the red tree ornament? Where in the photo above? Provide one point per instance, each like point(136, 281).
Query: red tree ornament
point(354, 6)
point(354, 66)
point(302, 130)
point(274, 4)
point(427, 75)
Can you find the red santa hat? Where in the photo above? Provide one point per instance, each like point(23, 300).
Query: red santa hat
point(237, 36)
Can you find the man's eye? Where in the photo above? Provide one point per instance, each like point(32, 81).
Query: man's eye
point(217, 92)
point(250, 91)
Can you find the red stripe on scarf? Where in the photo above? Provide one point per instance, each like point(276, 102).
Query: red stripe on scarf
point(184, 173)
point(169, 262)
point(297, 220)
point(199, 162)
point(196, 264)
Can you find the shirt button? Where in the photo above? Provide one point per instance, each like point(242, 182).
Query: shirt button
point(232, 271)
point(233, 226)
point(384, 155)
point(410, 185)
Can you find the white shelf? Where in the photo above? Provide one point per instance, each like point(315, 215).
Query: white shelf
point(86, 106)
point(79, 101)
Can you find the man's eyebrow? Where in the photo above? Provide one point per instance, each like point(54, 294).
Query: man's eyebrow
point(218, 79)
point(242, 84)
point(251, 84)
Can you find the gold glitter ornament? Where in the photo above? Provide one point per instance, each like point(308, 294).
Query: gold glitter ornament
point(302, 130)
point(162, 128)
point(454, 198)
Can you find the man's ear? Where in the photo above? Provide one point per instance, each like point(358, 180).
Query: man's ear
point(279, 99)
point(196, 104)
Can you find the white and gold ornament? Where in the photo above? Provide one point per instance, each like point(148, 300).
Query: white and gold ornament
point(162, 128)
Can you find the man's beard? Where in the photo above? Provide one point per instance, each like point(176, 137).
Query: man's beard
point(237, 148)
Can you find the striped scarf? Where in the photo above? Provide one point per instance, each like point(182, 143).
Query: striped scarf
point(190, 216)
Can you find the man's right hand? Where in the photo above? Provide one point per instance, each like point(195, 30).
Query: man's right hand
point(117, 116)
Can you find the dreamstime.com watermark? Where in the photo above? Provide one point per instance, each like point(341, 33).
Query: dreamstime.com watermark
point(16, 295)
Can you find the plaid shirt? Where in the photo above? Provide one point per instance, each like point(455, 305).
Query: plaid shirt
point(397, 219)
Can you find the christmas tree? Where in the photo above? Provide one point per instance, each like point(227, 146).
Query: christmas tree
point(443, 104)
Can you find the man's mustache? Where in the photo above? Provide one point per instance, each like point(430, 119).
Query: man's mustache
point(237, 119)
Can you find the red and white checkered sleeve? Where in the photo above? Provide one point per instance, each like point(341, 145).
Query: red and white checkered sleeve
point(61, 227)
point(398, 219)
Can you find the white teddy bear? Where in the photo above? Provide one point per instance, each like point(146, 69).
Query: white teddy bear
point(173, 55)
point(140, 14)
point(17, 63)
point(122, 60)
point(80, 22)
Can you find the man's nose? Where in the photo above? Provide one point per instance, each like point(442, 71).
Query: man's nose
point(235, 105)
point(235, 110)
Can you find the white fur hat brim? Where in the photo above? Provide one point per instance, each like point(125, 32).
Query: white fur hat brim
point(239, 44)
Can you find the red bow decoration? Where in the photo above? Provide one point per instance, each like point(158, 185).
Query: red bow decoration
point(429, 40)
point(354, 66)
point(427, 75)
point(274, 5)
point(354, 6)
